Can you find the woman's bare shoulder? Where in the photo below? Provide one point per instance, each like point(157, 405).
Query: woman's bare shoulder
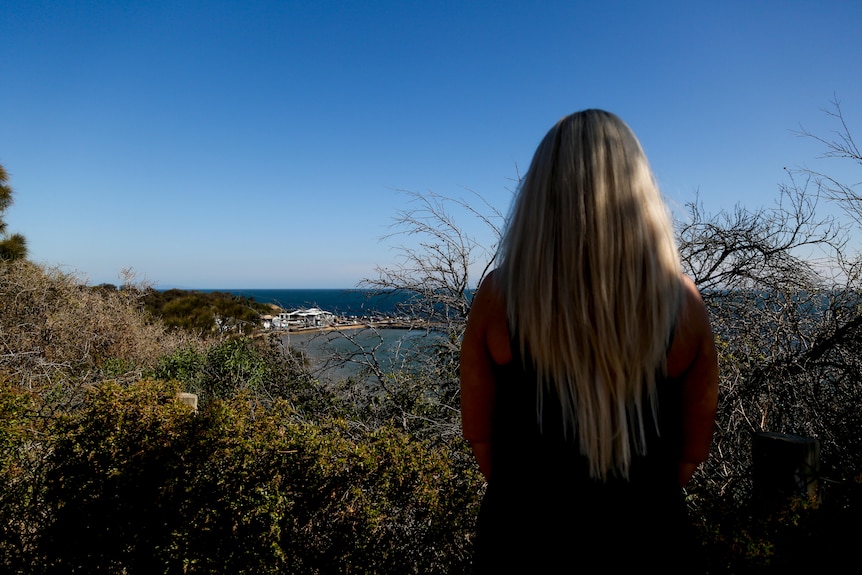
point(488, 317)
point(488, 299)
point(693, 334)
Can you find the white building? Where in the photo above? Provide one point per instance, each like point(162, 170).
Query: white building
point(310, 317)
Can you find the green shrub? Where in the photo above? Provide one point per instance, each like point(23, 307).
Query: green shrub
point(137, 483)
point(796, 536)
point(205, 313)
point(20, 468)
point(243, 365)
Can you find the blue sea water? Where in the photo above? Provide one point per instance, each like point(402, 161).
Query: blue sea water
point(390, 347)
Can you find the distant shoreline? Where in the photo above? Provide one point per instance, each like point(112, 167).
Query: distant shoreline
point(385, 324)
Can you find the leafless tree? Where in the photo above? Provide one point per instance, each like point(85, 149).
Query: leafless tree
point(784, 300)
point(436, 270)
point(840, 146)
point(414, 381)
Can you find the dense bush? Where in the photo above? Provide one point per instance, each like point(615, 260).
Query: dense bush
point(137, 483)
point(800, 536)
point(21, 470)
point(259, 367)
point(204, 313)
point(58, 334)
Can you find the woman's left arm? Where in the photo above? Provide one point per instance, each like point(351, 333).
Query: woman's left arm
point(694, 361)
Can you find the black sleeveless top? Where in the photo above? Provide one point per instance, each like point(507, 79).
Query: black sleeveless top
point(543, 513)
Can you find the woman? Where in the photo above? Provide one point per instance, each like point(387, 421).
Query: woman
point(588, 369)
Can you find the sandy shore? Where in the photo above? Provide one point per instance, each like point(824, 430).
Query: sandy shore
point(388, 324)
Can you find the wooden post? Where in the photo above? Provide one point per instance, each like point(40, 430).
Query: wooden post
point(189, 399)
point(784, 466)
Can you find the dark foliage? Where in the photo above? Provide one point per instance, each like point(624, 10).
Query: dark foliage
point(12, 246)
point(137, 483)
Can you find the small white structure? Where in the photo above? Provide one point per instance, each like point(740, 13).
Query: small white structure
point(310, 317)
point(190, 399)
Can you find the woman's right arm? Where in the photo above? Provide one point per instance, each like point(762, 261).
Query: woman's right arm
point(486, 342)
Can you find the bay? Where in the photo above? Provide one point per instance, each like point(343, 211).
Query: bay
point(326, 350)
point(339, 354)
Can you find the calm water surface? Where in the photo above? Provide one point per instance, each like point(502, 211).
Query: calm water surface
point(327, 351)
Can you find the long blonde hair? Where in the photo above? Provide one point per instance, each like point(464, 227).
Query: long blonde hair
point(591, 277)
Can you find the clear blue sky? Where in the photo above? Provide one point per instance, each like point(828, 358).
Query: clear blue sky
point(252, 144)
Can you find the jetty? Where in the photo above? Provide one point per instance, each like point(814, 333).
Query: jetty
point(316, 319)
